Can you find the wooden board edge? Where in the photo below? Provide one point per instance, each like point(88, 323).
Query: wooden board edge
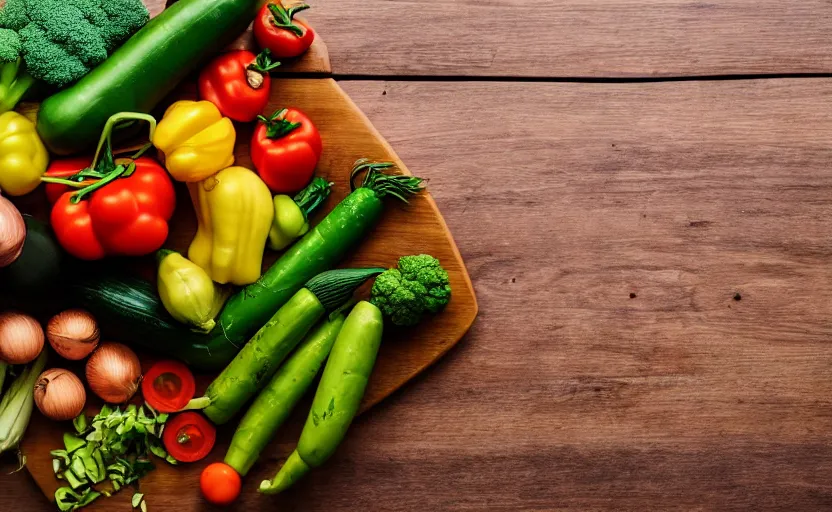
point(473, 311)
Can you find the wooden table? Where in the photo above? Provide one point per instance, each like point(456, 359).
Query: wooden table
point(650, 248)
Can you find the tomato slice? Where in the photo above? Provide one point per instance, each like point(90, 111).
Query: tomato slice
point(168, 386)
point(189, 437)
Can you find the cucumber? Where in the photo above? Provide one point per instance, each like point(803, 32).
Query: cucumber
point(137, 76)
point(39, 264)
point(129, 310)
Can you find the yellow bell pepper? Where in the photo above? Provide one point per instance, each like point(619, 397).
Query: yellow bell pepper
point(195, 139)
point(23, 158)
point(234, 214)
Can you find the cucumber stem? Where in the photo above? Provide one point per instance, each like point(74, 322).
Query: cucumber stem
point(383, 184)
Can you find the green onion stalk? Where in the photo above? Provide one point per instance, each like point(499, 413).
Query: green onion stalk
point(17, 404)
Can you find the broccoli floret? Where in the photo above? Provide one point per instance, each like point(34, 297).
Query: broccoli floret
point(60, 41)
point(418, 285)
point(14, 82)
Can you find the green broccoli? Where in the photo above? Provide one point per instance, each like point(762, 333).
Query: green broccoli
point(13, 81)
point(417, 286)
point(60, 41)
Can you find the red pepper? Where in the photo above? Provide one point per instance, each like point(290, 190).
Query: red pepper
point(189, 437)
point(276, 29)
point(238, 83)
point(168, 386)
point(285, 149)
point(65, 168)
point(120, 209)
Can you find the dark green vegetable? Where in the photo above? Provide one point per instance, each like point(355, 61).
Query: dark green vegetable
point(35, 44)
point(37, 268)
point(138, 75)
point(273, 405)
point(319, 250)
point(129, 310)
point(338, 396)
point(261, 357)
point(419, 285)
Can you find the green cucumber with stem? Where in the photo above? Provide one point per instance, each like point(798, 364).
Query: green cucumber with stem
point(139, 74)
point(257, 362)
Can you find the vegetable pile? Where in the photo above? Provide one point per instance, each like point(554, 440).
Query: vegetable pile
point(267, 336)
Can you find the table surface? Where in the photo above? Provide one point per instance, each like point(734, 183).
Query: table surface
point(651, 256)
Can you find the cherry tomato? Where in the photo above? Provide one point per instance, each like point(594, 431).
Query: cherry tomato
point(168, 386)
point(220, 484)
point(285, 149)
point(189, 437)
point(276, 29)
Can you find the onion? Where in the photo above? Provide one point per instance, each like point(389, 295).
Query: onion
point(73, 334)
point(59, 394)
point(114, 372)
point(12, 232)
point(21, 338)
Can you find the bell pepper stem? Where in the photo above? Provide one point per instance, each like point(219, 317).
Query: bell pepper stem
point(113, 175)
point(62, 181)
point(107, 133)
point(282, 17)
point(310, 198)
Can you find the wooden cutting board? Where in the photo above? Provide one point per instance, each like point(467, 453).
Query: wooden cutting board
point(405, 229)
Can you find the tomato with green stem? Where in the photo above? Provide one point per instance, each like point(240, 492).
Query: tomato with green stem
point(168, 386)
point(285, 150)
point(189, 437)
point(276, 28)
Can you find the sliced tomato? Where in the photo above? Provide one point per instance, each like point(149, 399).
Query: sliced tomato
point(168, 386)
point(189, 437)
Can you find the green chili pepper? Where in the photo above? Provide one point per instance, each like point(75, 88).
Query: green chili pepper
point(338, 396)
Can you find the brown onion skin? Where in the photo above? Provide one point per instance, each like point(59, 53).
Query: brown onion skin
point(114, 372)
point(73, 334)
point(60, 394)
point(21, 338)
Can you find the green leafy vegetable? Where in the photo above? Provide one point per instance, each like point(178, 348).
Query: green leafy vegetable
point(419, 285)
point(115, 446)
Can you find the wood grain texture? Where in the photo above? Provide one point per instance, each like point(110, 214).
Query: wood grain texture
point(567, 394)
point(412, 229)
point(575, 38)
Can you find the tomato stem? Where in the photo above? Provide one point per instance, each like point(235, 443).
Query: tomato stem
point(276, 125)
point(282, 17)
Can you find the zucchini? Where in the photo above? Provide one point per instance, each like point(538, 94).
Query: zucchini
point(39, 265)
point(138, 75)
point(129, 310)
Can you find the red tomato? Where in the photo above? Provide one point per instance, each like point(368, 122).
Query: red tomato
point(276, 29)
point(220, 484)
point(238, 83)
point(189, 437)
point(285, 149)
point(168, 386)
